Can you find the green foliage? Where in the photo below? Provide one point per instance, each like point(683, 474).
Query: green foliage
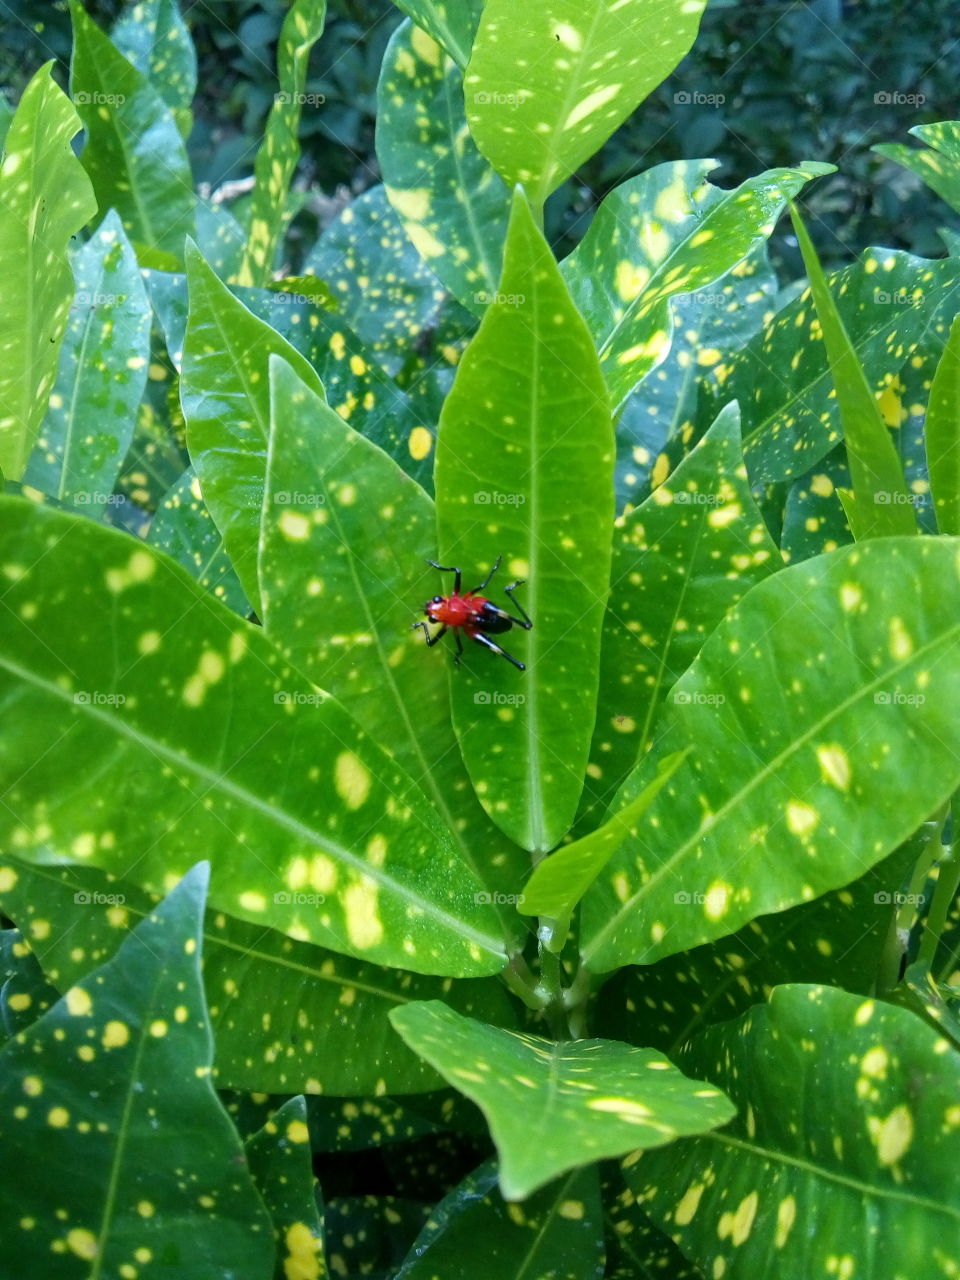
point(667, 882)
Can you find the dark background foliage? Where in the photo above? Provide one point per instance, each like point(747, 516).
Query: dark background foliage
point(769, 82)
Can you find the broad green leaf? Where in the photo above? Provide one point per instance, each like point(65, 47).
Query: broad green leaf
point(879, 489)
point(666, 232)
point(546, 86)
point(114, 1081)
point(451, 23)
point(183, 527)
point(277, 158)
point(938, 165)
point(103, 371)
point(119, 657)
point(813, 517)
point(344, 541)
point(681, 561)
point(370, 1235)
point(387, 293)
point(942, 435)
point(154, 37)
point(553, 1107)
point(528, 418)
point(46, 198)
point(791, 421)
point(225, 394)
point(279, 1159)
point(451, 203)
point(772, 1194)
point(474, 1234)
point(220, 238)
point(25, 994)
point(634, 1246)
point(133, 151)
point(821, 715)
point(560, 881)
point(327, 1030)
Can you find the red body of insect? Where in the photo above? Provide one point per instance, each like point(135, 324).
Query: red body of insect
point(475, 615)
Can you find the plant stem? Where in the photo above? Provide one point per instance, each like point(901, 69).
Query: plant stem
point(943, 896)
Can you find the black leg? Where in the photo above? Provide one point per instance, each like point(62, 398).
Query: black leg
point(449, 569)
point(508, 592)
point(431, 640)
point(496, 566)
point(459, 653)
point(492, 644)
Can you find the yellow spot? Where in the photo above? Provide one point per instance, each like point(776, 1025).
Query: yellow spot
point(303, 1248)
point(661, 469)
point(251, 900)
point(786, 1216)
point(78, 1002)
point(352, 780)
point(875, 1062)
point(294, 526)
point(850, 596)
point(115, 1035)
point(630, 280)
point(689, 1205)
point(801, 818)
point(590, 104)
point(626, 1108)
point(337, 345)
point(149, 642)
point(901, 645)
point(572, 1209)
point(720, 517)
point(146, 1209)
point(82, 1242)
point(717, 899)
point(84, 845)
point(738, 1225)
point(427, 244)
point(834, 765)
point(297, 1131)
point(140, 567)
point(420, 443)
point(347, 495)
point(58, 1117)
point(32, 1086)
point(377, 851)
point(624, 724)
point(568, 36)
point(892, 1136)
point(358, 365)
point(323, 873)
point(822, 486)
point(8, 878)
point(864, 1013)
point(426, 49)
point(360, 907)
point(159, 1028)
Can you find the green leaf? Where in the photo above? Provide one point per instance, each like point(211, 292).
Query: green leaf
point(771, 1194)
point(154, 37)
point(451, 203)
point(46, 198)
point(308, 290)
point(527, 417)
point(103, 371)
point(942, 435)
point(25, 994)
point(553, 1107)
point(277, 158)
point(879, 489)
point(666, 232)
point(133, 151)
point(451, 23)
point(225, 394)
point(560, 881)
point(938, 165)
point(817, 751)
point(473, 1234)
point(295, 801)
point(279, 1159)
point(326, 1028)
point(635, 1247)
point(547, 86)
point(681, 561)
point(111, 1058)
point(344, 540)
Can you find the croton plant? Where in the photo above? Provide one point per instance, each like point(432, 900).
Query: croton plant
point(332, 952)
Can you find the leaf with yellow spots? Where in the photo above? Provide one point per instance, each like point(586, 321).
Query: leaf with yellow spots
point(154, 37)
point(937, 164)
point(103, 370)
point(821, 715)
point(528, 418)
point(311, 827)
point(846, 1147)
point(276, 161)
point(681, 561)
point(133, 150)
point(474, 1234)
point(553, 1107)
point(451, 23)
point(279, 1156)
point(942, 435)
point(666, 232)
point(110, 1083)
point(635, 1247)
point(452, 205)
point(546, 85)
point(46, 198)
point(25, 993)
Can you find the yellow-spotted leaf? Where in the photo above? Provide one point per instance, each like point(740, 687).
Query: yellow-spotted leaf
point(821, 715)
point(525, 471)
point(116, 663)
point(452, 205)
point(114, 1084)
point(46, 198)
point(769, 1194)
point(666, 232)
point(280, 1161)
point(154, 37)
point(277, 158)
point(451, 23)
point(546, 85)
point(553, 1107)
point(938, 164)
point(942, 435)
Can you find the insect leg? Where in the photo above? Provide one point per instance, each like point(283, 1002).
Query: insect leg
point(508, 592)
point(492, 644)
point(449, 569)
point(431, 640)
point(496, 566)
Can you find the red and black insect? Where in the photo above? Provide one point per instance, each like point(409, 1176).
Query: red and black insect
point(474, 614)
